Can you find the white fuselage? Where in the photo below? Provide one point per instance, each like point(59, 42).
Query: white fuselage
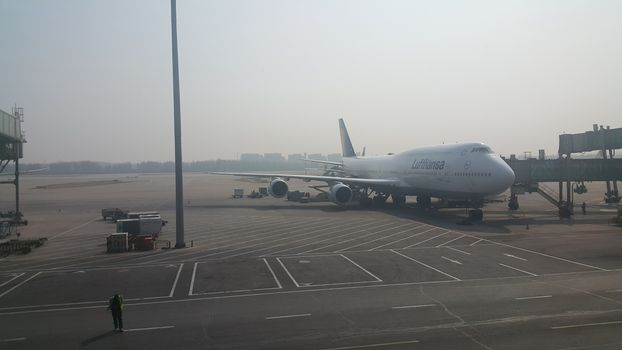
point(456, 171)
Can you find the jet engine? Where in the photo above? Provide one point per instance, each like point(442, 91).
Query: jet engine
point(278, 188)
point(340, 194)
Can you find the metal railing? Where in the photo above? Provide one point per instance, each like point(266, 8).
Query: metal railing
point(548, 194)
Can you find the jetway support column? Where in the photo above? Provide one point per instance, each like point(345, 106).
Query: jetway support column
point(17, 212)
point(615, 182)
point(607, 182)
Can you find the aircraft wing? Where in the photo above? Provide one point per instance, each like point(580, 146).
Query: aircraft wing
point(323, 162)
point(329, 179)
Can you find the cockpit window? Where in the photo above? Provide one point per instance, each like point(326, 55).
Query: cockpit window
point(482, 149)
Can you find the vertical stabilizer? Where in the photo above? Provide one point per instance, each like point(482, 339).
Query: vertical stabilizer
point(346, 145)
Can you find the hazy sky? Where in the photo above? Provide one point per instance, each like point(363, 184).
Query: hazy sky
point(94, 77)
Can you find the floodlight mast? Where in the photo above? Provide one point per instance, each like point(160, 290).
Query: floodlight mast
point(179, 180)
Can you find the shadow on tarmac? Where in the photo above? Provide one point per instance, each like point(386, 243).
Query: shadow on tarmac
point(96, 338)
point(445, 218)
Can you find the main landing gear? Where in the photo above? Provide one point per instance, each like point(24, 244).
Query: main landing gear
point(476, 214)
point(365, 199)
point(513, 203)
point(379, 199)
point(424, 202)
point(398, 199)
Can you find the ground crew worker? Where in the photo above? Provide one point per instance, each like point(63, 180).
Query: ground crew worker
point(115, 305)
point(583, 208)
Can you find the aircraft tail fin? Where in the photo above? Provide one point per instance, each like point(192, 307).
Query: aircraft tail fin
point(346, 145)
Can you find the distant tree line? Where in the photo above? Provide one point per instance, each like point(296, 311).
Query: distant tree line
point(91, 167)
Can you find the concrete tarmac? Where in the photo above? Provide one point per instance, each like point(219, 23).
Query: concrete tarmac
point(270, 274)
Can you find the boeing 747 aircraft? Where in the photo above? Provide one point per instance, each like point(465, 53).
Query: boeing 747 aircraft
point(461, 174)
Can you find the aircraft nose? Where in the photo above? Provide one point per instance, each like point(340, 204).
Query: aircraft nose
point(507, 176)
point(504, 176)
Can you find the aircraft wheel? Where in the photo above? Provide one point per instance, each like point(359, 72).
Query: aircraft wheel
point(380, 199)
point(424, 202)
point(398, 199)
point(513, 203)
point(476, 214)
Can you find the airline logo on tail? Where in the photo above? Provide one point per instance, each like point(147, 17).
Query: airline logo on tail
point(346, 145)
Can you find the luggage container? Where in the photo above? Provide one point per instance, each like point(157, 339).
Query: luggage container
point(131, 226)
point(150, 225)
point(139, 214)
point(114, 213)
point(143, 242)
point(117, 242)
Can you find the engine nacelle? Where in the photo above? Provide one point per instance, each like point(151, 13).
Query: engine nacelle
point(340, 194)
point(278, 188)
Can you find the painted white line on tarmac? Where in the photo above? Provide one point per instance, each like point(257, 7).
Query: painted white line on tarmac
point(474, 243)
point(289, 240)
point(360, 267)
point(405, 238)
point(268, 234)
point(350, 239)
point(221, 292)
point(273, 275)
point(550, 256)
point(18, 285)
point(12, 340)
point(355, 230)
point(381, 236)
point(412, 306)
point(587, 325)
point(176, 279)
point(534, 297)
point(514, 257)
point(590, 346)
point(219, 297)
point(194, 273)
point(339, 228)
point(519, 270)
point(373, 345)
point(287, 271)
point(459, 251)
point(148, 329)
point(452, 260)
point(287, 316)
point(9, 281)
point(426, 265)
point(455, 239)
point(287, 237)
point(384, 237)
point(73, 229)
point(425, 240)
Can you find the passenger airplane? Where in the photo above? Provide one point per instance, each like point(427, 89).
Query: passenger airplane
point(461, 174)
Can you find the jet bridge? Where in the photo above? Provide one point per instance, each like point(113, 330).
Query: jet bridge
point(565, 170)
point(11, 150)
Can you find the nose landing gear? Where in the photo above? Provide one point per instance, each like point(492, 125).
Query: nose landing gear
point(398, 199)
point(424, 202)
point(476, 214)
point(513, 203)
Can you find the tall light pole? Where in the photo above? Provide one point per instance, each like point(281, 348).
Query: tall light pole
point(179, 180)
